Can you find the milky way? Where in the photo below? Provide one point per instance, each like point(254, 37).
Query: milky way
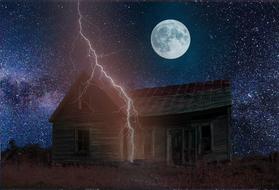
point(41, 54)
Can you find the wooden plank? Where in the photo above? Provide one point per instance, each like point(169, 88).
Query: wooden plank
point(121, 148)
point(212, 136)
point(153, 141)
point(196, 143)
point(220, 125)
point(169, 153)
point(160, 144)
point(183, 146)
point(104, 141)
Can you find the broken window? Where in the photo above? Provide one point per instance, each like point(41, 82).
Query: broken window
point(82, 141)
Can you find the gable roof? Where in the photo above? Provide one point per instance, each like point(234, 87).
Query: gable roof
point(80, 84)
point(182, 98)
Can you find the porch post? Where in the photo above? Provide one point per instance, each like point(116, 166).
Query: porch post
point(183, 146)
point(168, 147)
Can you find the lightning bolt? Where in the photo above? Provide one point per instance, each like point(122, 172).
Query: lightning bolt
point(130, 109)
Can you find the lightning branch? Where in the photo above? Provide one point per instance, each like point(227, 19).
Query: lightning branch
point(94, 63)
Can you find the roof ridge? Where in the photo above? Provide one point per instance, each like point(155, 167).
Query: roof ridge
point(182, 88)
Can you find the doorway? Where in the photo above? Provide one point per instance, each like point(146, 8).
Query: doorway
point(182, 146)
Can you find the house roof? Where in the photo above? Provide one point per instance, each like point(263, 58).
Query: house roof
point(182, 98)
point(158, 101)
point(81, 85)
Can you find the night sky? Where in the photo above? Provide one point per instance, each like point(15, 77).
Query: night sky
point(41, 54)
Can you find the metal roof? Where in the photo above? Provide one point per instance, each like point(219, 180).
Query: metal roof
point(182, 98)
point(158, 101)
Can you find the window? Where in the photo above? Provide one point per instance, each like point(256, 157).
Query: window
point(82, 141)
point(176, 145)
point(205, 139)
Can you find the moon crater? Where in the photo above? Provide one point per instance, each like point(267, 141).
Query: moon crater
point(170, 39)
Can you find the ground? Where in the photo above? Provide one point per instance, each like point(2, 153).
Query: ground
point(255, 172)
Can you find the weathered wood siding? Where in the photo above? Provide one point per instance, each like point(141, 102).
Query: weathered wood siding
point(155, 144)
point(148, 143)
point(139, 143)
point(63, 145)
point(107, 143)
point(220, 135)
point(153, 147)
point(94, 111)
point(219, 138)
point(160, 143)
point(104, 143)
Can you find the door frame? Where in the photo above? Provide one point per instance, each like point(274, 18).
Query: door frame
point(169, 143)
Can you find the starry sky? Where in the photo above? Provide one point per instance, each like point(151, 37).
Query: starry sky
point(41, 54)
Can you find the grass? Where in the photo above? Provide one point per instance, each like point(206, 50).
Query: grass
point(249, 173)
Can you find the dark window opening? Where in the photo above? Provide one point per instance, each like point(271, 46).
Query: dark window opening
point(182, 147)
point(83, 141)
point(205, 139)
point(176, 146)
point(189, 146)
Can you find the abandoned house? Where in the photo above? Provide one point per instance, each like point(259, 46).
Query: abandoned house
point(177, 124)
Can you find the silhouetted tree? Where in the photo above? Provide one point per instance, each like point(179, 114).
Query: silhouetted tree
point(12, 145)
point(13, 152)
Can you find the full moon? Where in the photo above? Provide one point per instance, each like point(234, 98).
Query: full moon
point(170, 39)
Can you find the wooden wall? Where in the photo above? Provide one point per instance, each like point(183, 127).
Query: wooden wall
point(155, 144)
point(220, 138)
point(63, 143)
point(219, 132)
point(105, 142)
point(160, 143)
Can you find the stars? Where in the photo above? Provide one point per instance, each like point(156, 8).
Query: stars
point(127, 6)
point(4, 6)
point(236, 41)
point(249, 95)
point(27, 99)
point(60, 6)
point(255, 29)
point(211, 36)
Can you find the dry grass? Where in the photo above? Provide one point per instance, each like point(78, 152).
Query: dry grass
point(255, 173)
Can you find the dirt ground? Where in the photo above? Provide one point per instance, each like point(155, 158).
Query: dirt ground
point(249, 173)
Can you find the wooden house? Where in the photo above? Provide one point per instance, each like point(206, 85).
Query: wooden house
point(176, 124)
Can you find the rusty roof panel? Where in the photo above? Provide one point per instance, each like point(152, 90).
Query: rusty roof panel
point(182, 98)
